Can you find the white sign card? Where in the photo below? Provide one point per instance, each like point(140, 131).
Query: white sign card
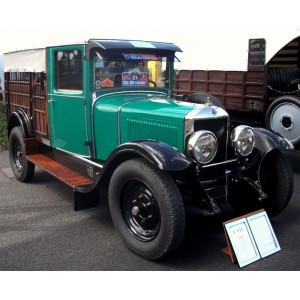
point(263, 234)
point(242, 242)
point(252, 237)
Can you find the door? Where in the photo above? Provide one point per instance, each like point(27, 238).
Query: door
point(66, 99)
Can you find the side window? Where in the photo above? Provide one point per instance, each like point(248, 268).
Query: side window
point(257, 54)
point(69, 70)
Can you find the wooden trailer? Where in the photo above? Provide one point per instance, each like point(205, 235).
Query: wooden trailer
point(259, 85)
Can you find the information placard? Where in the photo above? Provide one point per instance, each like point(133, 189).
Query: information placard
point(263, 234)
point(242, 242)
point(251, 237)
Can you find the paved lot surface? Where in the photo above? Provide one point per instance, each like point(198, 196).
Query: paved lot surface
point(39, 230)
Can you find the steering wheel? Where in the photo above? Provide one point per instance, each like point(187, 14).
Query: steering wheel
point(153, 82)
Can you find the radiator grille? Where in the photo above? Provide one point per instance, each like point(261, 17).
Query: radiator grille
point(139, 129)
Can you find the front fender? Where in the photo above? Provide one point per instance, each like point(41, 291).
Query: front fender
point(162, 155)
point(266, 140)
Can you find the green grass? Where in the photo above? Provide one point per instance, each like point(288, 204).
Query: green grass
point(3, 128)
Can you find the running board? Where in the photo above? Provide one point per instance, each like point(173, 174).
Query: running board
point(59, 171)
point(78, 175)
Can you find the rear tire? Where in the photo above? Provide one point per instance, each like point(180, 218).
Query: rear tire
point(146, 208)
point(21, 167)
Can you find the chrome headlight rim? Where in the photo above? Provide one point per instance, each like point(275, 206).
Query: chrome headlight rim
point(194, 139)
point(237, 140)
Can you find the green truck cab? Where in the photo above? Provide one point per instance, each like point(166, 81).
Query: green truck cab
point(100, 116)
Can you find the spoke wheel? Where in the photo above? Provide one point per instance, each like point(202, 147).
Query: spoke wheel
point(21, 167)
point(17, 155)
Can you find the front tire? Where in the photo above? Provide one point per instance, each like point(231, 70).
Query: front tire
point(146, 208)
point(21, 167)
point(276, 180)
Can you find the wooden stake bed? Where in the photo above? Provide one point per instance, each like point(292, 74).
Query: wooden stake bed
point(59, 171)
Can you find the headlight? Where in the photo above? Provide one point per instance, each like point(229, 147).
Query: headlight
point(202, 146)
point(242, 139)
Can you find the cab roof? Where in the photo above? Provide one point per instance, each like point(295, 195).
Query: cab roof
point(107, 44)
point(34, 60)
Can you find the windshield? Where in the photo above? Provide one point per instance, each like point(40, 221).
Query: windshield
point(130, 70)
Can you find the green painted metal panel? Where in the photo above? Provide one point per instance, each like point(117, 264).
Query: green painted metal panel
point(69, 132)
point(67, 109)
point(158, 119)
point(131, 117)
point(106, 126)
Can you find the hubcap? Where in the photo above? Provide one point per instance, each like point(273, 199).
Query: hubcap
point(18, 156)
point(140, 211)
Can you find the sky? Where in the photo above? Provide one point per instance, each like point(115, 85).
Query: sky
point(199, 28)
point(33, 23)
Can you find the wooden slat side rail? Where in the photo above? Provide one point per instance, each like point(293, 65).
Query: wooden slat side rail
point(62, 173)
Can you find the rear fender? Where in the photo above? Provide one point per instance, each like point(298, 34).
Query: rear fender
point(20, 118)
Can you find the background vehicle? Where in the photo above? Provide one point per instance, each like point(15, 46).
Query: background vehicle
point(257, 79)
point(119, 131)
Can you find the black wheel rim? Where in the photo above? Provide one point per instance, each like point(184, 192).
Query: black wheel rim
point(18, 155)
point(140, 211)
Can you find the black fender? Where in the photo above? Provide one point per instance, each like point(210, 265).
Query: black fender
point(266, 140)
point(244, 190)
point(160, 154)
point(20, 118)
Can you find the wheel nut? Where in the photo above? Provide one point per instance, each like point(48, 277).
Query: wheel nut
point(135, 211)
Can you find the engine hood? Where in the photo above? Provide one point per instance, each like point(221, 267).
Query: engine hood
point(145, 104)
point(126, 117)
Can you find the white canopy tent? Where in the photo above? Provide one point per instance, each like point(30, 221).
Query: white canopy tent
point(33, 60)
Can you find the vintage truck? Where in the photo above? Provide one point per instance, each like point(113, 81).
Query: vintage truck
point(100, 117)
point(256, 76)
